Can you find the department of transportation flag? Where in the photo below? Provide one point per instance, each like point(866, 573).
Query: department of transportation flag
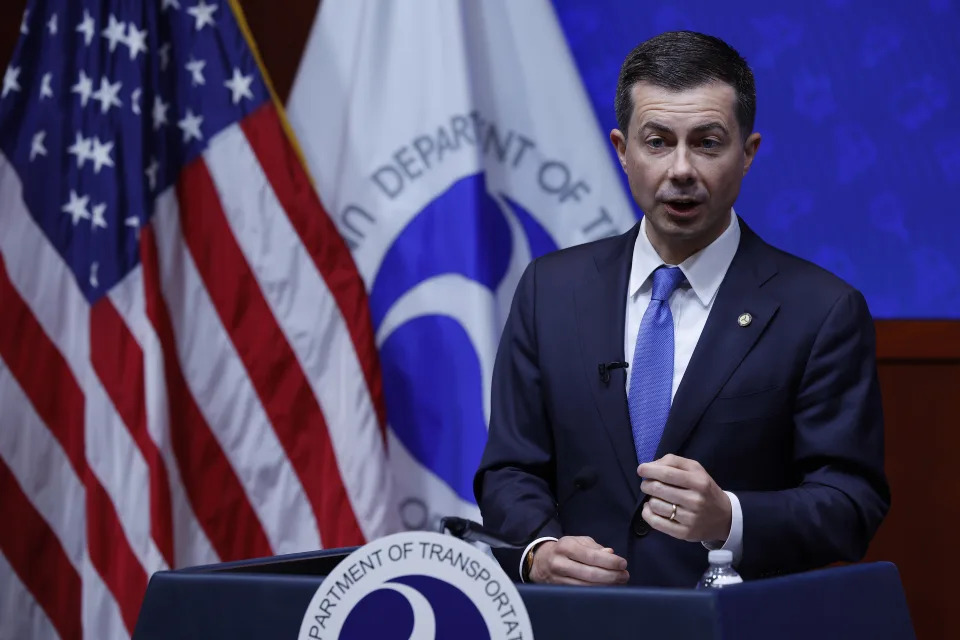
point(187, 365)
point(451, 141)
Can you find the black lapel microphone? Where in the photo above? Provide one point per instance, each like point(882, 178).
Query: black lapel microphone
point(470, 531)
point(606, 367)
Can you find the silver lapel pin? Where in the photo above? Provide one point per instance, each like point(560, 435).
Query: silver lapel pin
point(745, 319)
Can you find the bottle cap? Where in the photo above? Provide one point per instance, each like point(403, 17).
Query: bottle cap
point(720, 556)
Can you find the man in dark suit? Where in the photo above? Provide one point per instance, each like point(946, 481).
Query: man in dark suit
point(749, 417)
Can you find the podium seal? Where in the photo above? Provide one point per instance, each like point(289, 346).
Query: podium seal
point(417, 585)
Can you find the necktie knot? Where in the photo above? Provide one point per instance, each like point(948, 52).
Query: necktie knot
point(665, 281)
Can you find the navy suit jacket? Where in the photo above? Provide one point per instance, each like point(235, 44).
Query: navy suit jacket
point(784, 412)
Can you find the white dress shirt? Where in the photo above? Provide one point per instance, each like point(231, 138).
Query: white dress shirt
point(690, 305)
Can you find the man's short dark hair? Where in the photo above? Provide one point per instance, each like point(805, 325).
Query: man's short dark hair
point(680, 60)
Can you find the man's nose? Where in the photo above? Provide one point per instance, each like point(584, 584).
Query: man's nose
point(681, 170)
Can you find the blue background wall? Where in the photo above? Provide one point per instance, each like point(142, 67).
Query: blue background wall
point(859, 168)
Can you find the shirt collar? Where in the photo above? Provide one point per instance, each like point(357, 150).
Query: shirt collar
point(704, 270)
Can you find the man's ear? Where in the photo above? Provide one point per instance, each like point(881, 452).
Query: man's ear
point(620, 146)
point(750, 147)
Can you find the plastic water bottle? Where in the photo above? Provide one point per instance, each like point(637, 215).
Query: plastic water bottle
point(720, 573)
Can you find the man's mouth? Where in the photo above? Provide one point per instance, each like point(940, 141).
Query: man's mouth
point(682, 205)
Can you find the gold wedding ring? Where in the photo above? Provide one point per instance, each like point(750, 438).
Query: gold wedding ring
point(673, 514)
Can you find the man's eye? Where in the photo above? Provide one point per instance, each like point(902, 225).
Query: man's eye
point(710, 143)
point(655, 143)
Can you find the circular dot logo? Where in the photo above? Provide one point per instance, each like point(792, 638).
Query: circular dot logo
point(416, 585)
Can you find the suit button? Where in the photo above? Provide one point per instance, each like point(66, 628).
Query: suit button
point(639, 525)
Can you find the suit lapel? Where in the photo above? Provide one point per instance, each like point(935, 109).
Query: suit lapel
point(601, 298)
point(724, 342)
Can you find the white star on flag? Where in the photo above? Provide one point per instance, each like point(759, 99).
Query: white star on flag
point(135, 100)
point(101, 155)
point(94, 282)
point(23, 23)
point(114, 32)
point(195, 67)
point(11, 81)
point(52, 25)
point(164, 52)
point(81, 148)
point(77, 207)
point(36, 145)
point(159, 112)
point(151, 173)
point(106, 95)
point(98, 218)
point(45, 90)
point(190, 125)
point(133, 222)
point(170, 3)
point(84, 87)
point(239, 86)
point(86, 28)
point(203, 13)
point(136, 40)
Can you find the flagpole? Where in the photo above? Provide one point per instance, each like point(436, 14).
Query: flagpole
point(278, 105)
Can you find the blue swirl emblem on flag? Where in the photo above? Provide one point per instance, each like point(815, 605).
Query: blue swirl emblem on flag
point(435, 302)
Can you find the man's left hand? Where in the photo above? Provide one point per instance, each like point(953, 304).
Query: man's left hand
point(702, 510)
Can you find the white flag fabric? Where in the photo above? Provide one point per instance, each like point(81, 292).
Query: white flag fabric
point(452, 142)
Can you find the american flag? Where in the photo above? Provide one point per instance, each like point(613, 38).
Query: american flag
point(187, 365)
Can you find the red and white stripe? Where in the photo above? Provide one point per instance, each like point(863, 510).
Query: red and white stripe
point(222, 402)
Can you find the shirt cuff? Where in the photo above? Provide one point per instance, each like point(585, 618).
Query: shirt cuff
point(530, 547)
point(734, 541)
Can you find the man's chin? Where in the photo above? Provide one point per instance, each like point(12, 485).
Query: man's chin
point(684, 231)
point(668, 222)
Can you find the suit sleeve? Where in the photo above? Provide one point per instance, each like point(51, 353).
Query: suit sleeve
point(514, 484)
point(842, 493)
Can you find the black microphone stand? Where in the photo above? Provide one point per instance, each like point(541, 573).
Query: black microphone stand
point(470, 531)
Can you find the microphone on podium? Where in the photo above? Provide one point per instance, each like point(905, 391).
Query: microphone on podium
point(470, 531)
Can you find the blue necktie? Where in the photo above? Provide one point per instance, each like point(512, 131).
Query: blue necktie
point(652, 378)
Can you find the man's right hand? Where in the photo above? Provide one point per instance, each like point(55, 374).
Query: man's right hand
point(577, 560)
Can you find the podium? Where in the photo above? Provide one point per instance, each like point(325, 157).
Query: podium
point(267, 598)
